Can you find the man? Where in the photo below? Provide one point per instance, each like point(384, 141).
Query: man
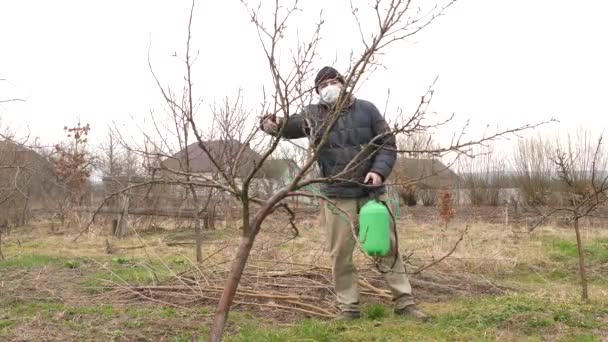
point(358, 123)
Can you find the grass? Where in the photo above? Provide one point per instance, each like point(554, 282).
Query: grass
point(29, 261)
point(581, 338)
point(5, 326)
point(542, 267)
point(134, 271)
point(523, 311)
point(461, 320)
point(130, 274)
point(596, 251)
point(119, 270)
point(107, 320)
point(375, 311)
point(554, 259)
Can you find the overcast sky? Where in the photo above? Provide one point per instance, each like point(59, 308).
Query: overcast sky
point(499, 62)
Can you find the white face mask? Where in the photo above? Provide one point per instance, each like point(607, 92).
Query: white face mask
point(331, 93)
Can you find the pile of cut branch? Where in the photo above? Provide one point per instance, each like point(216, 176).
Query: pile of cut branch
point(285, 291)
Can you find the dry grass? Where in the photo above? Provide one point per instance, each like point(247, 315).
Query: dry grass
point(490, 258)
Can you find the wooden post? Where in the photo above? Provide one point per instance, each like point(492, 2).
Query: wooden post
point(3, 227)
point(1, 255)
point(122, 228)
point(581, 259)
point(114, 226)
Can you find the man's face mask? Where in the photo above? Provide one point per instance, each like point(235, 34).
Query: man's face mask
point(330, 93)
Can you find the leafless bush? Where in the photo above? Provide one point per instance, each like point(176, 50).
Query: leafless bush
point(483, 177)
point(420, 144)
point(408, 176)
point(429, 197)
point(15, 178)
point(534, 169)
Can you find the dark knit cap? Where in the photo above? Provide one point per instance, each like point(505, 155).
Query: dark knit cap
point(327, 73)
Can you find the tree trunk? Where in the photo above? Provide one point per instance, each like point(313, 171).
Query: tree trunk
point(198, 232)
point(581, 260)
point(211, 217)
point(24, 213)
point(122, 227)
point(250, 229)
point(114, 226)
point(199, 238)
point(231, 286)
point(1, 255)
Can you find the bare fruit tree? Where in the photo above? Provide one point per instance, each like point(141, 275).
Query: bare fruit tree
point(234, 172)
point(581, 167)
point(396, 21)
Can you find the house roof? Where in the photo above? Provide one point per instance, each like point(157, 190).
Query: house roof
point(13, 153)
point(224, 152)
point(37, 170)
point(428, 172)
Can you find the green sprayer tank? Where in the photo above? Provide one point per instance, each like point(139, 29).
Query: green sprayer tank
point(374, 228)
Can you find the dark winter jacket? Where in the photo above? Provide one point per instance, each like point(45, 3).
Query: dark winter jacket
point(357, 126)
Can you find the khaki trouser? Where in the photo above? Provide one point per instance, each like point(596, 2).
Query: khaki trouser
point(341, 243)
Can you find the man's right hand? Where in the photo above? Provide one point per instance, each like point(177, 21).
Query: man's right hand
point(271, 124)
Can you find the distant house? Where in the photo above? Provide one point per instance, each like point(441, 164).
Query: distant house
point(418, 180)
point(235, 158)
point(425, 173)
point(27, 181)
point(223, 152)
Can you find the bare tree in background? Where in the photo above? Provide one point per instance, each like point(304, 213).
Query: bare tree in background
point(73, 163)
point(120, 167)
point(17, 167)
point(419, 144)
point(407, 186)
point(581, 165)
point(14, 173)
point(111, 159)
point(483, 176)
point(534, 170)
point(27, 179)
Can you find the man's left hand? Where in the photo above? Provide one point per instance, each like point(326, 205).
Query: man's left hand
point(373, 179)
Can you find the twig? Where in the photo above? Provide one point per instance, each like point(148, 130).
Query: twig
point(312, 307)
point(376, 291)
point(446, 255)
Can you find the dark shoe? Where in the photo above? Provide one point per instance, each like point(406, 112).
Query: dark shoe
point(412, 311)
point(348, 316)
